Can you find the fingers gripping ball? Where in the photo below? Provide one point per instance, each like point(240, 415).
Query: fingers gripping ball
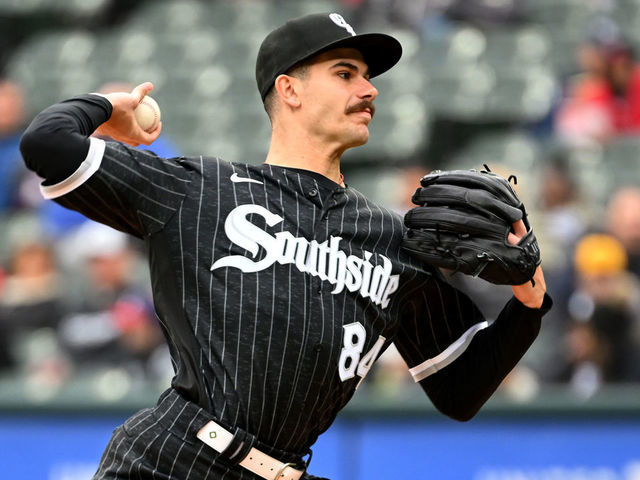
point(462, 223)
point(148, 114)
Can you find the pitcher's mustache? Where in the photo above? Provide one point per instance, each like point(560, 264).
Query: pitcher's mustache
point(360, 106)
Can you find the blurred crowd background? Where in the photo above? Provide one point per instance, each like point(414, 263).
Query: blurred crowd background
point(547, 90)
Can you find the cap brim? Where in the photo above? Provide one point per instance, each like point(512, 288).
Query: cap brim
point(379, 51)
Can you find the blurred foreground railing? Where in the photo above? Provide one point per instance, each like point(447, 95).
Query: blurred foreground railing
point(110, 393)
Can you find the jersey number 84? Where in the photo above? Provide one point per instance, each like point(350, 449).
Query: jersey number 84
point(351, 362)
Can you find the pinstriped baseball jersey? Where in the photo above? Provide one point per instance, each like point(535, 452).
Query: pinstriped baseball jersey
point(276, 288)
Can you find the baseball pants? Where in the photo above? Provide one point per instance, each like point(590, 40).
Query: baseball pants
point(160, 443)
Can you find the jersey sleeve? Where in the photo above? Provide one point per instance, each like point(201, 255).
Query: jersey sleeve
point(437, 327)
point(132, 190)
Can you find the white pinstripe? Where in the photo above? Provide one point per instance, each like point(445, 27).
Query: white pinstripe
point(157, 220)
point(197, 250)
point(133, 443)
point(286, 335)
point(182, 269)
point(155, 469)
point(143, 178)
point(91, 205)
point(193, 462)
point(173, 465)
point(371, 324)
point(444, 314)
point(116, 180)
point(213, 245)
point(148, 166)
point(255, 324)
point(241, 299)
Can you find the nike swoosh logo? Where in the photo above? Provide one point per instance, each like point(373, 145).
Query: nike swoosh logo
point(236, 179)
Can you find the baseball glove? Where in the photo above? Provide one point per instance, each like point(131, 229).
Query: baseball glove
point(462, 223)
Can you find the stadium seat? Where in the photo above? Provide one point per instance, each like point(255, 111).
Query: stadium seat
point(523, 95)
point(162, 17)
point(60, 12)
point(460, 92)
point(511, 149)
point(622, 159)
point(593, 175)
point(568, 16)
point(514, 48)
point(53, 66)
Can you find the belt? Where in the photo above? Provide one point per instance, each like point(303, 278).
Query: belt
point(267, 467)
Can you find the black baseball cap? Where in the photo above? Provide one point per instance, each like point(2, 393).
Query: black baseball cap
point(310, 35)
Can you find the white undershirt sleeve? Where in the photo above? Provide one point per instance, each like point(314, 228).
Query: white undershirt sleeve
point(451, 353)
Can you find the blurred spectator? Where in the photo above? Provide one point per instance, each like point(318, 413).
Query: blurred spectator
point(623, 222)
point(623, 74)
point(585, 115)
point(601, 340)
point(12, 117)
point(558, 190)
point(562, 214)
point(114, 322)
point(604, 100)
point(32, 301)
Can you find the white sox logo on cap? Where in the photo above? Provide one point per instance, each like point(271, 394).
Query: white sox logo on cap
point(302, 38)
point(341, 22)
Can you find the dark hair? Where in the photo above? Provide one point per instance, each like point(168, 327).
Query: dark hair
point(300, 70)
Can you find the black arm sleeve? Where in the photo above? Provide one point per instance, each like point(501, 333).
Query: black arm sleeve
point(56, 142)
point(132, 190)
point(460, 389)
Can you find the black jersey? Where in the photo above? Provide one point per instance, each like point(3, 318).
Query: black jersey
point(276, 288)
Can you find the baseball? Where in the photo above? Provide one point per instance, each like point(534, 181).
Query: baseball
point(148, 114)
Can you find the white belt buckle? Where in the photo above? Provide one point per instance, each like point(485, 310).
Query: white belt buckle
point(281, 471)
point(219, 438)
point(215, 436)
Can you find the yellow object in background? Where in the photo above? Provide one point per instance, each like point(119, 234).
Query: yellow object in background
point(599, 254)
